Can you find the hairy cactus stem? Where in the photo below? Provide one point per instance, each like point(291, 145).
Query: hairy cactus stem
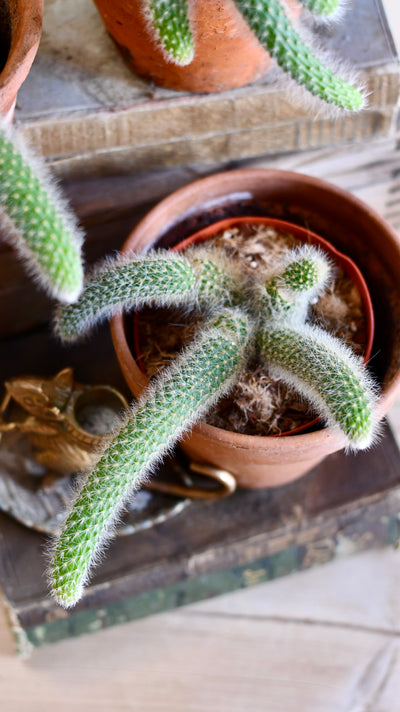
point(156, 279)
point(170, 20)
point(180, 396)
point(327, 374)
point(321, 368)
point(36, 221)
point(275, 32)
point(303, 276)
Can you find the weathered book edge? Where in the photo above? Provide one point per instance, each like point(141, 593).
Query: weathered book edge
point(374, 523)
point(206, 129)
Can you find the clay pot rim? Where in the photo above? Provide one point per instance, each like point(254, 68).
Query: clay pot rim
point(243, 441)
point(306, 236)
point(25, 38)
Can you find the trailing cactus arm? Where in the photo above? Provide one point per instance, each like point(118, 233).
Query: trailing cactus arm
point(155, 279)
point(322, 7)
point(182, 395)
point(170, 20)
point(328, 375)
point(275, 32)
point(36, 221)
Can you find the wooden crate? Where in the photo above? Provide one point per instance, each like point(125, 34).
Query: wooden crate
point(88, 114)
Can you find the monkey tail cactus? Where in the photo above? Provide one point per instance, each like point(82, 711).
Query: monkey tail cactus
point(182, 394)
point(275, 32)
point(36, 221)
point(328, 376)
point(244, 320)
point(156, 279)
point(303, 276)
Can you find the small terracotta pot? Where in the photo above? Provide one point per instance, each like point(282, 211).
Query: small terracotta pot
point(227, 53)
point(352, 227)
point(24, 18)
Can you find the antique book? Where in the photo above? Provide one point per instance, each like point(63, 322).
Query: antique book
point(346, 504)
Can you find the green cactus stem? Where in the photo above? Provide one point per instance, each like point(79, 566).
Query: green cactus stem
point(35, 220)
point(182, 394)
point(275, 32)
point(327, 374)
point(157, 279)
point(171, 23)
point(302, 277)
point(322, 7)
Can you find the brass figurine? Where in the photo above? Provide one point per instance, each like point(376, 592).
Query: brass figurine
point(67, 423)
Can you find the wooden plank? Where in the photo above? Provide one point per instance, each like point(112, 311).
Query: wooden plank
point(315, 641)
point(178, 662)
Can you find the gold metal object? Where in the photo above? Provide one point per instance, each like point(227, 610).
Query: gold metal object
point(222, 483)
point(68, 424)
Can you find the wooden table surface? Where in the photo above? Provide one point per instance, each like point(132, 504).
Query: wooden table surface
point(324, 640)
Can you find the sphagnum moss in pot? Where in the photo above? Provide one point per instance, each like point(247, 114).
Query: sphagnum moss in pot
point(241, 317)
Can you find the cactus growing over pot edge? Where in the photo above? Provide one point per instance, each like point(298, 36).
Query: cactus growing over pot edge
point(170, 24)
point(241, 319)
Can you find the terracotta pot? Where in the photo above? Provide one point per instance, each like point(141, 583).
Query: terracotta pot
point(352, 227)
point(21, 22)
point(227, 53)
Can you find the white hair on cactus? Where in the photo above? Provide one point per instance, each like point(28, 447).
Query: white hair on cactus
point(155, 279)
point(301, 94)
point(300, 367)
point(26, 232)
point(181, 50)
point(234, 336)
